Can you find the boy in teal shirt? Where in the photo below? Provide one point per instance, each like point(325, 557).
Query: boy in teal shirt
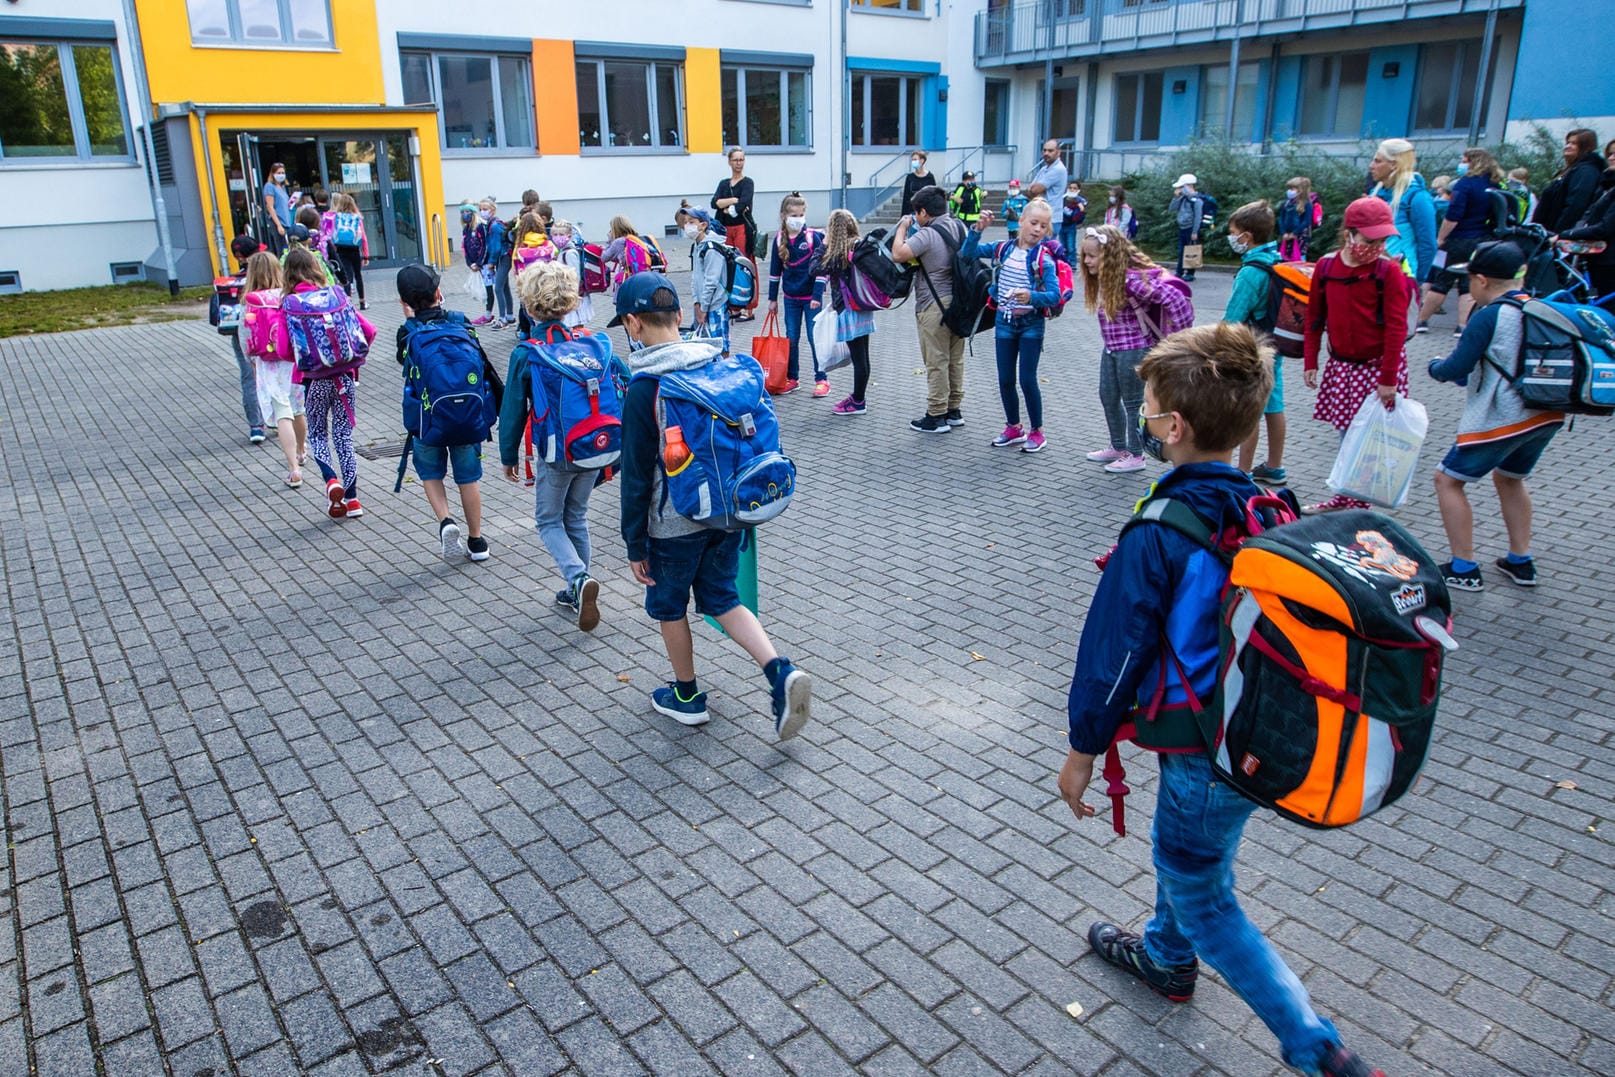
point(1250, 234)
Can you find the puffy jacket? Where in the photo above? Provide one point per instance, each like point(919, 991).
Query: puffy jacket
point(1415, 218)
point(1565, 199)
point(1599, 221)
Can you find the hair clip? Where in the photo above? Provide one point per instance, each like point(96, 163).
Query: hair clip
point(1094, 233)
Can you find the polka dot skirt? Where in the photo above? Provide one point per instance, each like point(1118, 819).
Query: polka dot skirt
point(1344, 387)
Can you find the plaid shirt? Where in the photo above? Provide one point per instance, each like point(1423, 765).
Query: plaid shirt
point(1125, 332)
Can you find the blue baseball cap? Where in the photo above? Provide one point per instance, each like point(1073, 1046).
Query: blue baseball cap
point(637, 295)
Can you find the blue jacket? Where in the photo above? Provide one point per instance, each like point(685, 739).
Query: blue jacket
point(1157, 580)
point(1045, 290)
point(1470, 210)
point(798, 271)
point(1415, 219)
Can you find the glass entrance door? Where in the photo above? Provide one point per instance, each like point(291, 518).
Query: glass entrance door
point(354, 167)
point(400, 199)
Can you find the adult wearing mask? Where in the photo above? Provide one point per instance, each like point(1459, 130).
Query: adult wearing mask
point(1468, 221)
point(1398, 184)
point(1188, 209)
point(1051, 173)
point(1567, 197)
point(918, 179)
point(1598, 223)
point(732, 203)
point(277, 208)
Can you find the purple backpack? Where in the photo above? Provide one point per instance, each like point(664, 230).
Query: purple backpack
point(1172, 312)
point(327, 337)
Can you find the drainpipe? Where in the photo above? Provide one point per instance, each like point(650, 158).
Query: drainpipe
point(1269, 106)
point(1233, 78)
point(1048, 76)
point(158, 206)
point(1483, 76)
point(845, 112)
point(212, 189)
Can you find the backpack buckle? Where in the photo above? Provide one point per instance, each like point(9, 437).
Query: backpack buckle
point(748, 425)
point(593, 386)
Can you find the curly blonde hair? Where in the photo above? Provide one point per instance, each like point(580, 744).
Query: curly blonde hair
point(548, 291)
point(1106, 290)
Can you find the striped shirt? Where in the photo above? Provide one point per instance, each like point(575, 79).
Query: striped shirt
point(1014, 275)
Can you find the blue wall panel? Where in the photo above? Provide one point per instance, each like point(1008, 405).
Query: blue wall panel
point(1563, 67)
point(1388, 102)
point(1180, 112)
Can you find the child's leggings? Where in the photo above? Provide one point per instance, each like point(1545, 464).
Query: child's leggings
point(330, 403)
point(352, 259)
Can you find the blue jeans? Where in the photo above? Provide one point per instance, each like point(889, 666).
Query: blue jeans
point(249, 385)
point(1019, 342)
point(705, 563)
point(1198, 824)
point(561, 514)
point(795, 311)
point(1068, 240)
point(501, 287)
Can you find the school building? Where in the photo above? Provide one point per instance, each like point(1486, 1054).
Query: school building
point(412, 106)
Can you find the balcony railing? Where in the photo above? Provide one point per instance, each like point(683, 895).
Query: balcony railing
point(1066, 29)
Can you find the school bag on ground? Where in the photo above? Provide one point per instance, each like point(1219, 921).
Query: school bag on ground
point(576, 396)
point(720, 448)
point(1289, 286)
point(967, 313)
point(224, 307)
point(875, 281)
point(1567, 357)
point(326, 335)
point(347, 229)
point(264, 323)
point(1332, 634)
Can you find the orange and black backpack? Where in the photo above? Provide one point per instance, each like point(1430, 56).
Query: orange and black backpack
point(1332, 633)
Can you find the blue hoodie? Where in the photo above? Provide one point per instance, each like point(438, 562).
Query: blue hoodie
point(1415, 219)
point(1156, 580)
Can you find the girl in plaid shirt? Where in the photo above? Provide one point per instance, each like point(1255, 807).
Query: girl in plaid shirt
point(1129, 292)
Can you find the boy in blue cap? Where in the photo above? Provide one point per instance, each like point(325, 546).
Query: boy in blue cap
point(671, 555)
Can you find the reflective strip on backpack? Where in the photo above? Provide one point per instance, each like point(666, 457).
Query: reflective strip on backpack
point(1378, 761)
point(1241, 621)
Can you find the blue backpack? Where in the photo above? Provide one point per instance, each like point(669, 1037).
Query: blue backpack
point(1567, 357)
point(346, 229)
point(447, 398)
point(739, 277)
point(577, 390)
point(720, 448)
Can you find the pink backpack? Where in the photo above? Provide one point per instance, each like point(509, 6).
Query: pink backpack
point(1173, 311)
point(264, 326)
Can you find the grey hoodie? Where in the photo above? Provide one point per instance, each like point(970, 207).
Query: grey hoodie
point(643, 515)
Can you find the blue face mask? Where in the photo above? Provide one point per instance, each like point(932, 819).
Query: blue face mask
point(1461, 169)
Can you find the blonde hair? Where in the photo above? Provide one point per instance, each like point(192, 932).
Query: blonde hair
point(840, 236)
point(488, 204)
point(1302, 185)
point(342, 202)
point(562, 226)
point(527, 225)
point(1482, 163)
point(548, 291)
point(1399, 151)
point(620, 227)
point(792, 201)
point(263, 271)
point(1036, 204)
point(1106, 290)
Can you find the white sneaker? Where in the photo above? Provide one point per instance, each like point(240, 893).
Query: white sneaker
point(1106, 455)
point(1125, 462)
point(449, 536)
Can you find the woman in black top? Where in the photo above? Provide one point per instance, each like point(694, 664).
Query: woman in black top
point(1598, 223)
point(1575, 187)
point(918, 177)
point(732, 202)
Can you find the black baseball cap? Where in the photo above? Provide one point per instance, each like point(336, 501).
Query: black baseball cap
point(637, 295)
point(417, 285)
point(1497, 260)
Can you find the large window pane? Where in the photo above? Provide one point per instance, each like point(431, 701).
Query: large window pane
point(1351, 93)
point(1463, 101)
point(995, 113)
point(763, 108)
point(1317, 88)
point(34, 118)
point(860, 131)
point(1126, 108)
point(799, 103)
point(729, 90)
point(515, 101)
point(669, 116)
point(1430, 100)
point(311, 21)
point(885, 110)
point(589, 104)
point(1149, 128)
point(911, 112)
point(98, 93)
point(210, 19)
point(627, 105)
point(417, 70)
point(466, 83)
point(260, 20)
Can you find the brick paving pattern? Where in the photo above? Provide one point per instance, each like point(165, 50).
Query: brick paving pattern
point(284, 795)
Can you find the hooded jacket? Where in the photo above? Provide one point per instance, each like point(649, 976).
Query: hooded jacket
point(644, 516)
point(1599, 221)
point(1415, 219)
point(1565, 199)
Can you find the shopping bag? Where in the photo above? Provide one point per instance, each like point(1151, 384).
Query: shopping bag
point(472, 285)
point(832, 353)
point(772, 351)
point(1194, 256)
point(1379, 451)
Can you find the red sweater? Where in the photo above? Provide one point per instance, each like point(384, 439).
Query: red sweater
point(1362, 327)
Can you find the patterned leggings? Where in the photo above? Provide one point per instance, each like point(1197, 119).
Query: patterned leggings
point(330, 404)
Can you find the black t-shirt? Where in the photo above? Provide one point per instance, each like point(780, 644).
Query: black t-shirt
point(740, 212)
point(913, 183)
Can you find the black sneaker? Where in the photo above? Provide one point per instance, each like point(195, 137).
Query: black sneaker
point(931, 424)
point(566, 600)
point(476, 548)
point(1522, 572)
point(1465, 581)
point(954, 418)
point(1125, 950)
point(1344, 1062)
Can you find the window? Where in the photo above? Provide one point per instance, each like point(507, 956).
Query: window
point(1332, 91)
point(61, 101)
point(1214, 98)
point(484, 102)
point(630, 104)
point(1138, 107)
point(260, 22)
point(1445, 97)
point(995, 114)
point(886, 110)
point(765, 106)
point(915, 6)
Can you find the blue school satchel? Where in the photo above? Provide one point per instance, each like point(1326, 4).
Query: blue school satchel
point(577, 390)
point(447, 399)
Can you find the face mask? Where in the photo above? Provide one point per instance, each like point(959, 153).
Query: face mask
point(1291, 194)
point(1113, 200)
point(916, 165)
point(561, 242)
point(1239, 246)
point(1363, 252)
point(280, 177)
point(1154, 448)
point(692, 231)
point(485, 214)
point(1460, 169)
point(795, 224)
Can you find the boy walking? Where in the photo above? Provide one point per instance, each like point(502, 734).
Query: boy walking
point(1203, 393)
point(1497, 432)
point(1250, 235)
point(419, 295)
point(671, 555)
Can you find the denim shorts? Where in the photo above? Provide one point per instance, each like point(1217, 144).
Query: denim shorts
point(1512, 458)
point(705, 564)
point(432, 462)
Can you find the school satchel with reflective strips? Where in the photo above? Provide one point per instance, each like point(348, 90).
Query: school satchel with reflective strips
point(1333, 630)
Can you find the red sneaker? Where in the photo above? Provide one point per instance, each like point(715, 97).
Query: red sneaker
point(354, 508)
point(790, 387)
point(338, 497)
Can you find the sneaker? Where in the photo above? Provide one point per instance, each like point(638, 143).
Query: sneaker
point(791, 698)
point(821, 388)
point(1125, 462)
point(338, 498)
point(483, 320)
point(1013, 434)
point(848, 406)
point(256, 435)
point(954, 418)
point(691, 711)
point(931, 424)
point(1422, 327)
point(587, 588)
point(1034, 442)
point(790, 387)
point(1462, 581)
point(1263, 473)
point(564, 599)
point(1334, 504)
point(1106, 456)
point(1458, 332)
point(354, 508)
point(476, 548)
point(1521, 572)
point(1344, 1062)
point(448, 536)
point(1125, 950)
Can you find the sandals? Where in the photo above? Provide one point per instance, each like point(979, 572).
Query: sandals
point(294, 479)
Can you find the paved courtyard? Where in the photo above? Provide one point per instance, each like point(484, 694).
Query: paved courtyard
point(282, 795)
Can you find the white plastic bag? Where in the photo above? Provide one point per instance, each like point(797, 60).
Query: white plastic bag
point(1380, 451)
point(472, 285)
point(832, 353)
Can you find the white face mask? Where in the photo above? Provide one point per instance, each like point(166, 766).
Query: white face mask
point(1292, 193)
point(692, 231)
point(795, 224)
point(280, 177)
point(916, 164)
point(1113, 200)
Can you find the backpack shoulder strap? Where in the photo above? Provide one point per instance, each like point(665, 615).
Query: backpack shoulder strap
point(1172, 513)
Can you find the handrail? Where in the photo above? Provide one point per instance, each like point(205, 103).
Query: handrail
point(901, 155)
point(983, 152)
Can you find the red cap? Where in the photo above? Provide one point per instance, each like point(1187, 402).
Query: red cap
point(1370, 218)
